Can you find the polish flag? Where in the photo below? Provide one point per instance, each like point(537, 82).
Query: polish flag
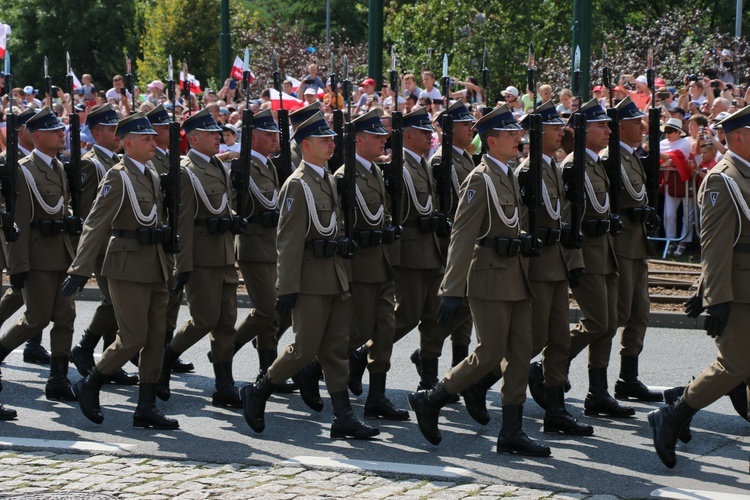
point(76, 82)
point(238, 69)
point(195, 85)
point(4, 32)
point(290, 103)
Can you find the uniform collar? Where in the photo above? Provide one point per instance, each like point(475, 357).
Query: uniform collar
point(140, 165)
point(104, 150)
point(594, 156)
point(366, 163)
point(497, 162)
point(201, 155)
point(162, 151)
point(547, 159)
point(45, 158)
point(414, 155)
point(259, 157)
point(459, 150)
point(25, 151)
point(626, 147)
point(319, 170)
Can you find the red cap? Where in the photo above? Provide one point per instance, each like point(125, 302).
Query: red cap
point(620, 89)
point(597, 88)
point(660, 82)
point(368, 81)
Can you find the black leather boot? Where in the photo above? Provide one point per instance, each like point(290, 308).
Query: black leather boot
point(379, 406)
point(179, 366)
point(475, 398)
point(266, 357)
point(345, 424)
point(34, 352)
point(87, 390)
point(666, 423)
point(738, 396)
point(82, 355)
point(417, 360)
point(58, 386)
point(599, 402)
point(426, 405)
point(671, 396)
point(357, 366)
point(629, 387)
point(147, 415)
point(162, 386)
point(556, 417)
point(308, 383)
point(429, 374)
point(225, 393)
point(120, 377)
point(7, 413)
point(4, 352)
point(513, 440)
point(536, 384)
point(254, 397)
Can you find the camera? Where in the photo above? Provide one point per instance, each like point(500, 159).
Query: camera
point(309, 81)
point(692, 77)
point(714, 84)
point(124, 91)
point(54, 89)
point(734, 102)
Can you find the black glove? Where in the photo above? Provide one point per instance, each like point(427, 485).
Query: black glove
point(716, 319)
point(285, 303)
point(18, 280)
point(575, 276)
point(448, 310)
point(653, 222)
point(179, 283)
point(694, 306)
point(72, 283)
point(528, 249)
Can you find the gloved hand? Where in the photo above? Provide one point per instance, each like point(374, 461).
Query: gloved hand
point(180, 280)
point(73, 283)
point(694, 306)
point(285, 303)
point(716, 319)
point(528, 249)
point(653, 222)
point(18, 280)
point(575, 277)
point(448, 310)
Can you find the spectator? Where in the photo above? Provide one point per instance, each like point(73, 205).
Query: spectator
point(312, 78)
point(411, 101)
point(310, 96)
point(230, 148)
point(286, 87)
point(29, 98)
point(368, 97)
point(563, 109)
point(472, 93)
point(333, 99)
point(676, 153)
point(155, 91)
point(410, 86)
point(118, 91)
point(89, 91)
point(511, 99)
point(641, 96)
point(428, 80)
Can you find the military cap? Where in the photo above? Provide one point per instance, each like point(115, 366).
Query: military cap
point(738, 119)
point(159, 116)
point(137, 123)
point(315, 126)
point(627, 110)
point(302, 114)
point(370, 123)
point(549, 116)
point(24, 116)
point(43, 121)
point(498, 119)
point(593, 112)
point(202, 121)
point(459, 112)
point(264, 121)
point(418, 119)
point(106, 115)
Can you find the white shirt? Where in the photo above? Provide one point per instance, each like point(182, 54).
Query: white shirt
point(138, 164)
point(46, 159)
point(260, 158)
point(682, 144)
point(107, 152)
point(626, 147)
point(319, 170)
point(114, 94)
point(366, 163)
point(201, 155)
point(414, 155)
point(497, 162)
point(594, 156)
point(433, 94)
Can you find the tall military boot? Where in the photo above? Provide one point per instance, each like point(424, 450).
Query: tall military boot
point(598, 401)
point(4, 353)
point(147, 415)
point(225, 393)
point(738, 396)
point(308, 383)
point(87, 391)
point(429, 374)
point(162, 385)
point(417, 360)
point(671, 396)
point(7, 413)
point(513, 440)
point(345, 424)
point(34, 352)
point(536, 384)
point(82, 355)
point(179, 366)
point(556, 417)
point(459, 353)
point(357, 366)
point(379, 406)
point(254, 397)
point(120, 377)
point(58, 386)
point(266, 357)
point(629, 387)
point(475, 398)
point(237, 347)
point(667, 422)
point(426, 405)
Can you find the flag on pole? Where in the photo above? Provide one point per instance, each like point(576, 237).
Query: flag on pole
point(195, 85)
point(238, 69)
point(76, 82)
point(4, 32)
point(290, 103)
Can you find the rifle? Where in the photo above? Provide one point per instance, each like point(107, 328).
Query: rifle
point(9, 169)
point(130, 83)
point(485, 78)
point(445, 83)
point(47, 83)
point(442, 173)
point(347, 188)
point(284, 166)
point(170, 182)
point(338, 122)
point(651, 163)
point(612, 163)
point(240, 171)
point(574, 179)
point(393, 175)
point(74, 223)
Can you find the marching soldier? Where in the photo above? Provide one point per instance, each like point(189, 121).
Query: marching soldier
point(725, 244)
point(312, 284)
point(297, 117)
point(38, 259)
point(593, 272)
point(127, 214)
point(372, 281)
point(205, 265)
point(485, 264)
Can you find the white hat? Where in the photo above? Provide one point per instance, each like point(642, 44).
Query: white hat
point(726, 53)
point(642, 79)
point(28, 90)
point(674, 123)
point(510, 90)
point(310, 91)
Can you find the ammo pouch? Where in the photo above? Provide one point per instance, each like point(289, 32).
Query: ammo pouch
point(269, 218)
point(595, 227)
point(323, 248)
point(428, 223)
point(49, 227)
point(549, 236)
point(215, 225)
point(639, 215)
point(368, 238)
point(504, 247)
point(390, 234)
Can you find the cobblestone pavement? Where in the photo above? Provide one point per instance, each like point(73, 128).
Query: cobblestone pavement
point(48, 475)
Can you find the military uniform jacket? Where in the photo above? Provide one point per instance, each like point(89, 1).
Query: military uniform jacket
point(3, 242)
point(597, 255)
point(160, 162)
point(462, 167)
point(370, 264)
point(476, 271)
point(199, 247)
point(415, 249)
point(258, 244)
point(114, 208)
point(550, 265)
point(94, 165)
point(299, 270)
point(32, 250)
point(725, 232)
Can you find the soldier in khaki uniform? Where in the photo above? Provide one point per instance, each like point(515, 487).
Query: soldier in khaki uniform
point(127, 215)
point(297, 117)
point(485, 263)
point(312, 284)
point(725, 244)
point(372, 281)
point(205, 264)
point(593, 270)
point(38, 259)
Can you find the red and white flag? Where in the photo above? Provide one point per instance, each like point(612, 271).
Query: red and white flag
point(238, 68)
point(195, 85)
point(290, 103)
point(76, 82)
point(4, 32)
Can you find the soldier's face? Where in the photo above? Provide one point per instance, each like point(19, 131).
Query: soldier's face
point(420, 140)
point(552, 138)
point(631, 132)
point(49, 141)
point(597, 136)
point(318, 150)
point(462, 134)
point(162, 136)
point(265, 143)
point(106, 137)
point(370, 146)
point(504, 147)
point(140, 147)
point(206, 142)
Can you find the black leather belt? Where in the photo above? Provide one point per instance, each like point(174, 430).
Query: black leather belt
point(504, 247)
point(144, 235)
